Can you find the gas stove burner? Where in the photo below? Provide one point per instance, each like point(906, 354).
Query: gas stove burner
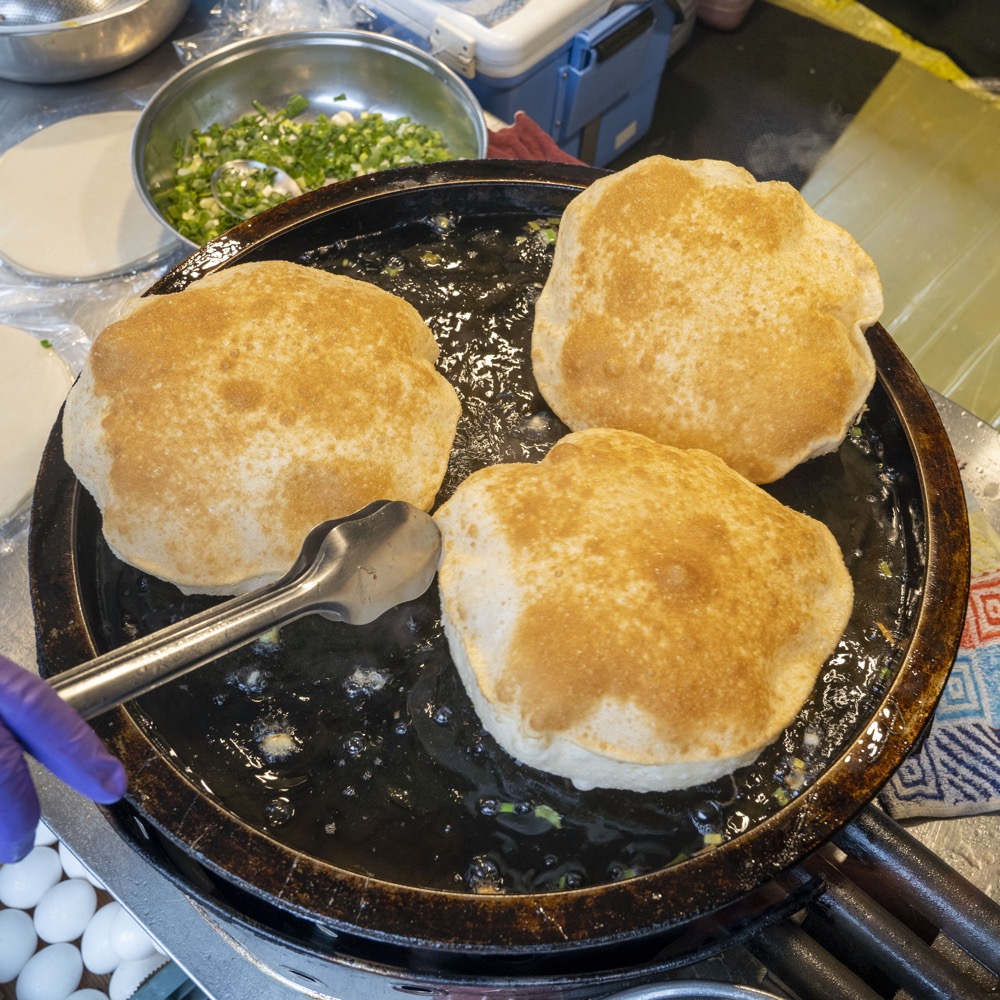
point(694, 989)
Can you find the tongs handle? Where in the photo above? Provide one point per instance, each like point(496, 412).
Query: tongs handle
point(350, 570)
point(131, 670)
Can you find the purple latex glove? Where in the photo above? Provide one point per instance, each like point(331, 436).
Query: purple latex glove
point(35, 719)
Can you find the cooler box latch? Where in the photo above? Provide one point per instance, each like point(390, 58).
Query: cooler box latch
point(454, 47)
point(607, 66)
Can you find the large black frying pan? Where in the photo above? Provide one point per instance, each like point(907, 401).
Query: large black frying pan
point(398, 820)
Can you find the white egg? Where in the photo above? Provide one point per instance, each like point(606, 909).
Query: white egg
point(44, 837)
point(129, 938)
point(72, 865)
point(24, 882)
point(18, 941)
point(63, 913)
point(51, 974)
point(127, 978)
point(99, 954)
point(87, 994)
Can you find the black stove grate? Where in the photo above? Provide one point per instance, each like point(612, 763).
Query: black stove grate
point(891, 921)
point(874, 915)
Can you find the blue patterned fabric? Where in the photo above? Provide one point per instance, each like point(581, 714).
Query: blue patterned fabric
point(956, 770)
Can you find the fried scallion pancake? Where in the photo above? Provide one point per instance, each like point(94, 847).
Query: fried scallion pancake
point(631, 615)
point(216, 426)
point(692, 304)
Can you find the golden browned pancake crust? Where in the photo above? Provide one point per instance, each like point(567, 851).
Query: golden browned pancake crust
point(635, 615)
point(689, 303)
point(216, 426)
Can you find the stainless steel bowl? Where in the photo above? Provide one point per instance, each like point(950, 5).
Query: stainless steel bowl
point(58, 41)
point(375, 72)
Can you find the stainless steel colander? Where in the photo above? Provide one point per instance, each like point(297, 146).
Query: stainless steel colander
point(56, 41)
point(35, 12)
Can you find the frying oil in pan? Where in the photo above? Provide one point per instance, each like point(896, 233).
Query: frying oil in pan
point(359, 746)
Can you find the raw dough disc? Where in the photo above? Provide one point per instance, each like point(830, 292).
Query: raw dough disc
point(34, 381)
point(68, 205)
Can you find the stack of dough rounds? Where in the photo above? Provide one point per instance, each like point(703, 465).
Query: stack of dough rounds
point(216, 426)
point(692, 304)
point(69, 208)
point(631, 615)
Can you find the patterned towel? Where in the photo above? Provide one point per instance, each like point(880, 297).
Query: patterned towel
point(956, 771)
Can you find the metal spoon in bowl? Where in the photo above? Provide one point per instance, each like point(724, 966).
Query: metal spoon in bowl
point(350, 570)
point(239, 171)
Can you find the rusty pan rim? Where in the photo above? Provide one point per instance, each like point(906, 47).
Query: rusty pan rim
point(522, 923)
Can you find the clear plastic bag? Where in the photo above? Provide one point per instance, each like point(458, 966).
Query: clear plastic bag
point(67, 313)
point(233, 20)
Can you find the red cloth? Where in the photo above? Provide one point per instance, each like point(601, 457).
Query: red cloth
point(525, 140)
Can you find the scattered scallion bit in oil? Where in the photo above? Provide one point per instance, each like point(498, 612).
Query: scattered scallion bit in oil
point(544, 812)
point(550, 815)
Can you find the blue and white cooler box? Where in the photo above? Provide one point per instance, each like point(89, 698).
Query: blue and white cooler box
point(587, 71)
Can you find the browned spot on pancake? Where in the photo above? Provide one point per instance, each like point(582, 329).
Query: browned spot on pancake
point(244, 395)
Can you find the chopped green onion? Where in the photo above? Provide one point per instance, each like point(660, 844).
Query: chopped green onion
point(46, 343)
point(541, 812)
point(314, 153)
point(297, 104)
point(548, 813)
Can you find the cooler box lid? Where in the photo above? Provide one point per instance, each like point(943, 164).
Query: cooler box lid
point(496, 38)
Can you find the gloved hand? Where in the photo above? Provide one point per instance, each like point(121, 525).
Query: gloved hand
point(35, 719)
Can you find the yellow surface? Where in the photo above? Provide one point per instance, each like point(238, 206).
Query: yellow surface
point(915, 179)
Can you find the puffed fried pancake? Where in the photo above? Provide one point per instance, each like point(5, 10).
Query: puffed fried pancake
point(217, 425)
point(626, 614)
point(692, 304)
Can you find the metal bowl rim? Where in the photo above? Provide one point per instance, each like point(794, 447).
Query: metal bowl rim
point(350, 37)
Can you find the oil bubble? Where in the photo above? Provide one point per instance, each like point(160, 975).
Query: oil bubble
point(276, 738)
point(706, 817)
point(442, 715)
point(250, 679)
point(483, 876)
point(279, 812)
point(364, 682)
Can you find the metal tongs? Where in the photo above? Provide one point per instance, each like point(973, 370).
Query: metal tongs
point(350, 570)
